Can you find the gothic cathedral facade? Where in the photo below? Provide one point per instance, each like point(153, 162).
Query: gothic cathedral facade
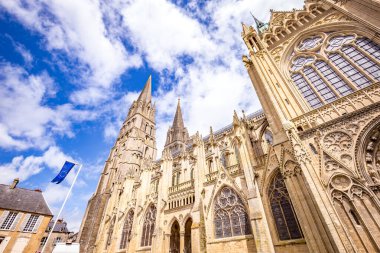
point(302, 175)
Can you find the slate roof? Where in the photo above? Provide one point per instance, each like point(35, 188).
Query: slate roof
point(24, 200)
point(59, 227)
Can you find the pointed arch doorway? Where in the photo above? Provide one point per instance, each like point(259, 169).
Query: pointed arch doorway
point(188, 224)
point(174, 238)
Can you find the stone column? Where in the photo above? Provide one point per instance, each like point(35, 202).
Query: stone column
point(166, 242)
point(182, 241)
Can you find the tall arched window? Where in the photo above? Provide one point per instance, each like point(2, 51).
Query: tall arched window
point(127, 230)
point(327, 66)
point(230, 216)
point(110, 231)
point(148, 226)
point(282, 209)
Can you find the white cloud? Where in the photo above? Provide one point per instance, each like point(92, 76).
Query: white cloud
point(25, 119)
point(212, 82)
point(25, 167)
point(77, 28)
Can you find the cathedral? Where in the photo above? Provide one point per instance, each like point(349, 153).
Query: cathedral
point(302, 175)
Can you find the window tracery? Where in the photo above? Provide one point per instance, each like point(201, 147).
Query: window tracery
point(335, 65)
point(148, 226)
point(282, 210)
point(230, 216)
point(127, 230)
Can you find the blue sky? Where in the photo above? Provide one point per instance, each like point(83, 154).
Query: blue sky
point(69, 71)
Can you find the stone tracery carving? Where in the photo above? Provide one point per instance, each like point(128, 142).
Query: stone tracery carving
point(230, 218)
point(149, 226)
point(338, 142)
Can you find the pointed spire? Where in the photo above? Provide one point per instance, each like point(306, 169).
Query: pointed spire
point(178, 120)
point(211, 136)
point(236, 120)
point(146, 94)
point(261, 26)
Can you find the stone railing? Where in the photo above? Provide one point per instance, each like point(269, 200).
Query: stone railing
point(211, 177)
point(350, 103)
point(181, 187)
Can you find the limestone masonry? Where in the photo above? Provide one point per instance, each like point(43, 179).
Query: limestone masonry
point(303, 175)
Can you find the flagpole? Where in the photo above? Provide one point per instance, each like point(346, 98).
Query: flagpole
point(63, 204)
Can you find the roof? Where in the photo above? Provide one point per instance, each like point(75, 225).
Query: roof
point(24, 200)
point(60, 227)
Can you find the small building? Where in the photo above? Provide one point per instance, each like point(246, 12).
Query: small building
point(60, 234)
point(24, 217)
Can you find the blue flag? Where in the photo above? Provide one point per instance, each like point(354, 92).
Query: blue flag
point(63, 173)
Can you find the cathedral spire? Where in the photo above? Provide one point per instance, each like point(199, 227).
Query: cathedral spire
point(261, 26)
point(178, 120)
point(146, 94)
point(177, 134)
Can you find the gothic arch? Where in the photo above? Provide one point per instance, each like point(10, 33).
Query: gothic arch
point(283, 217)
point(346, 27)
point(187, 216)
point(170, 224)
point(149, 225)
point(358, 210)
point(367, 148)
point(230, 214)
point(174, 237)
point(126, 233)
point(325, 66)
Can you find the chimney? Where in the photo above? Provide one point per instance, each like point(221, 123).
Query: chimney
point(14, 184)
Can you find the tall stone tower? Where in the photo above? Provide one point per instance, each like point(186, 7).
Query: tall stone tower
point(120, 181)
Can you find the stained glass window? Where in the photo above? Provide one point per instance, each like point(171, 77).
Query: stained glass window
point(230, 216)
point(348, 63)
point(148, 226)
point(282, 210)
point(127, 230)
point(310, 43)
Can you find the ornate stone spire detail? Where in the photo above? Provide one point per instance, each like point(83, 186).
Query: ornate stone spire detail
point(178, 120)
point(177, 134)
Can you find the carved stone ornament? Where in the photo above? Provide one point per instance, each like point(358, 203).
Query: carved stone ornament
point(341, 182)
point(338, 142)
point(371, 159)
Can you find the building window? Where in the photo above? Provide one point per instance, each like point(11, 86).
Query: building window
point(7, 224)
point(230, 216)
point(334, 67)
point(57, 240)
point(110, 231)
point(282, 210)
point(31, 223)
point(127, 230)
point(148, 226)
point(43, 241)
